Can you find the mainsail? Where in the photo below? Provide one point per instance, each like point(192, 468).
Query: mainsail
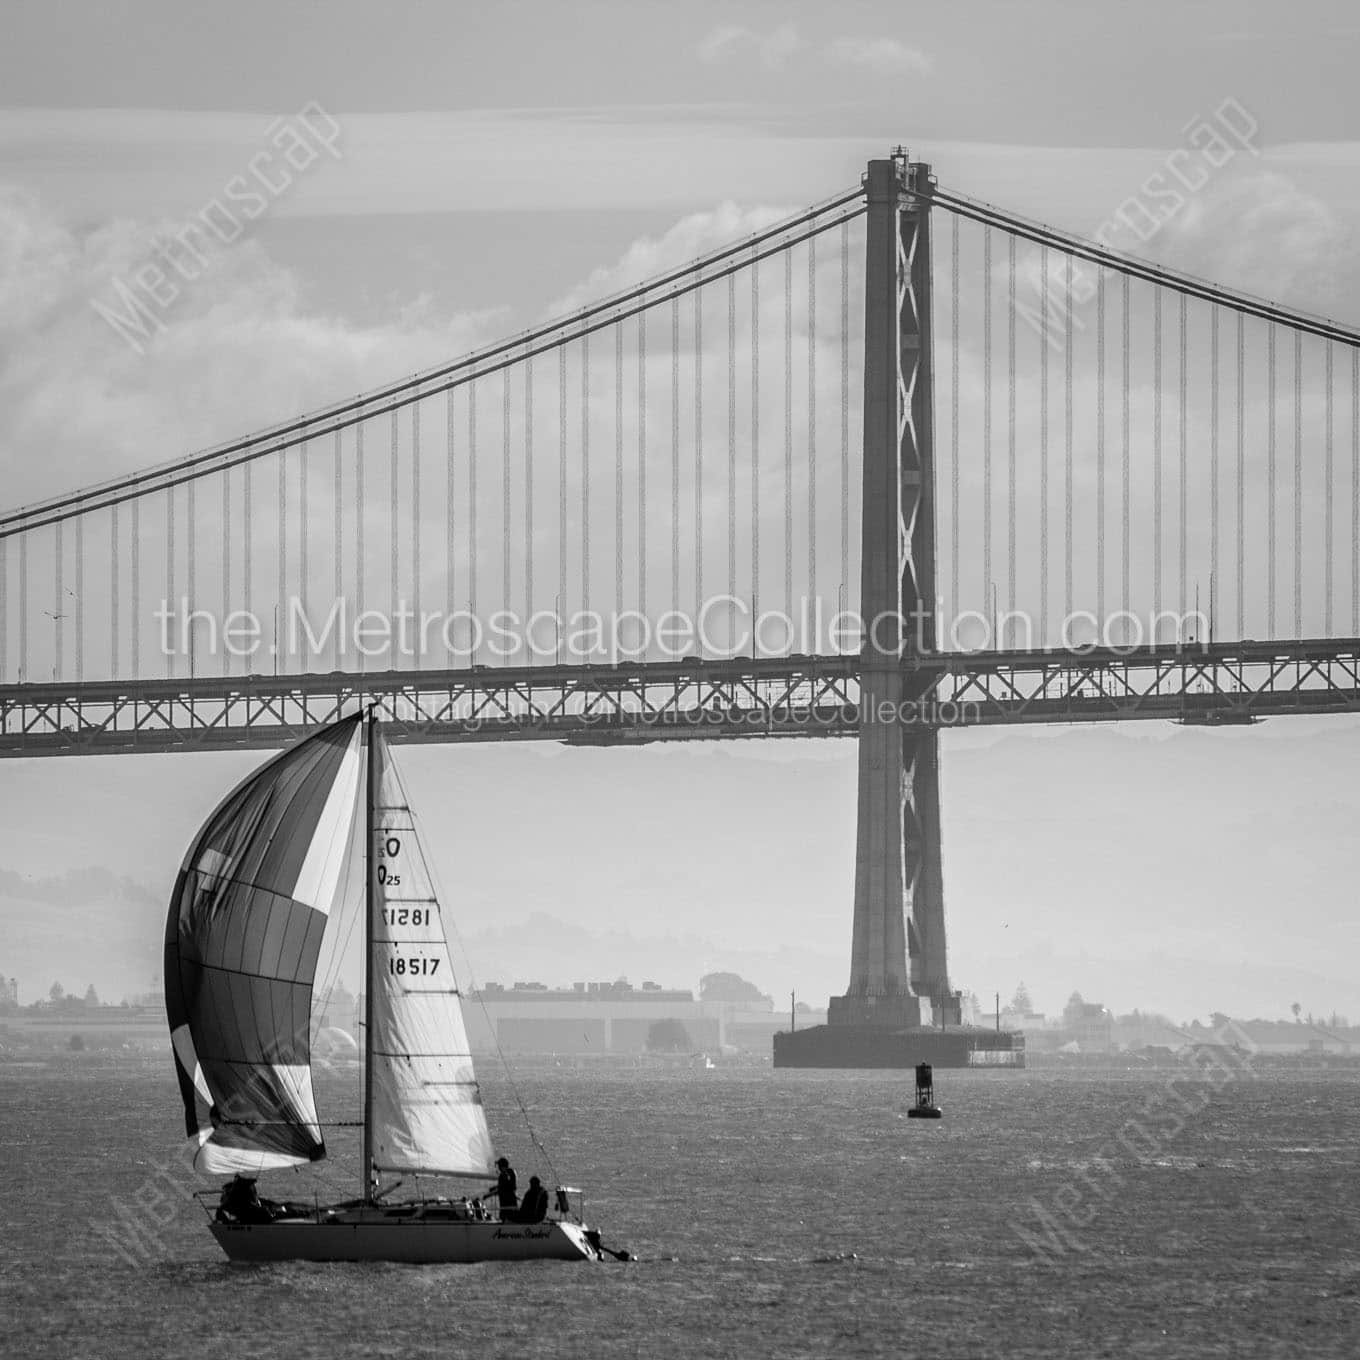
point(241, 945)
point(425, 1108)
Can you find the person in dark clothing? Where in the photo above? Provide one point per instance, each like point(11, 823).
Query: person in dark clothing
point(241, 1203)
point(507, 1195)
point(535, 1206)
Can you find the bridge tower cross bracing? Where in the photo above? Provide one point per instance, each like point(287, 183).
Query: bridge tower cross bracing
point(898, 942)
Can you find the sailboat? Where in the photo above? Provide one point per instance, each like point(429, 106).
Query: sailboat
point(326, 822)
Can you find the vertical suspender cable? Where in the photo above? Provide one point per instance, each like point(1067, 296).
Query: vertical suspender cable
point(1156, 450)
point(1328, 533)
point(1184, 452)
point(80, 597)
point(1124, 435)
point(337, 545)
point(303, 516)
point(528, 490)
point(115, 565)
point(954, 414)
point(172, 602)
point(282, 596)
point(23, 606)
point(987, 419)
point(1043, 448)
point(1067, 438)
point(507, 558)
point(415, 529)
point(812, 419)
point(642, 464)
point(451, 509)
point(1270, 482)
point(360, 564)
point(1241, 480)
point(845, 404)
point(4, 611)
point(1298, 483)
point(731, 434)
point(1355, 491)
point(1213, 465)
point(59, 601)
point(618, 468)
point(755, 448)
point(561, 475)
point(675, 453)
point(788, 433)
point(1100, 455)
point(1010, 427)
point(473, 516)
point(136, 584)
point(394, 537)
point(248, 532)
point(585, 474)
point(698, 450)
point(226, 562)
point(191, 562)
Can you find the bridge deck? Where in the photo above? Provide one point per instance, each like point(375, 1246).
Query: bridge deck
point(631, 704)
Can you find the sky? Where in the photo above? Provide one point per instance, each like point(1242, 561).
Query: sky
point(487, 170)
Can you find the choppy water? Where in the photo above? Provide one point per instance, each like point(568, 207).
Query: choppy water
point(775, 1214)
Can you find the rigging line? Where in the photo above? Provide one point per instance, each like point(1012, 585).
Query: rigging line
point(528, 490)
point(561, 474)
point(1184, 461)
point(1298, 484)
point(269, 442)
point(506, 559)
point(1067, 438)
point(1156, 451)
point(1043, 450)
point(1270, 482)
point(845, 405)
point(1131, 266)
point(731, 434)
point(1241, 480)
point(954, 414)
point(1100, 451)
point(698, 449)
point(642, 465)
point(80, 598)
point(1213, 465)
point(1329, 507)
point(788, 433)
point(115, 565)
point(1010, 427)
point(755, 449)
point(987, 421)
point(1124, 435)
point(585, 475)
point(812, 419)
point(618, 468)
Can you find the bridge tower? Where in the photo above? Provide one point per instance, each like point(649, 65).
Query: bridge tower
point(898, 945)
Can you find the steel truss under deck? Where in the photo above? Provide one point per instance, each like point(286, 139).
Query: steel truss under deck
point(1220, 684)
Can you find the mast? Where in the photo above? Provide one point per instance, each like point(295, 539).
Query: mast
point(366, 1170)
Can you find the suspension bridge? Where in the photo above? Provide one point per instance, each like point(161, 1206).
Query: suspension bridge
point(1072, 485)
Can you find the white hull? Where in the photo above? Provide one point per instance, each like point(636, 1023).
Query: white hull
point(373, 1239)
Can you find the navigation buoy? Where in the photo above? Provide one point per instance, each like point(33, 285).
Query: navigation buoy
point(925, 1107)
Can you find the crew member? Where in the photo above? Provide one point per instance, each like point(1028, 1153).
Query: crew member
point(506, 1194)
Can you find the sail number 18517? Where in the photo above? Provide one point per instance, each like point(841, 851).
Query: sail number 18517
point(413, 967)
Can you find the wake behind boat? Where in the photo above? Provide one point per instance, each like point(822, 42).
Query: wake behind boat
point(325, 820)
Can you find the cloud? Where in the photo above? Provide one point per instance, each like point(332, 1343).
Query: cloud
point(886, 55)
point(773, 49)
